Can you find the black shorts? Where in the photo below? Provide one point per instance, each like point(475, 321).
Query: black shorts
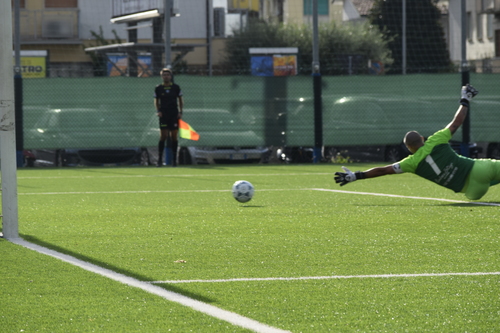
point(170, 123)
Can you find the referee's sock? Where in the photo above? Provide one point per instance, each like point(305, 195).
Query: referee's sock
point(161, 148)
point(175, 144)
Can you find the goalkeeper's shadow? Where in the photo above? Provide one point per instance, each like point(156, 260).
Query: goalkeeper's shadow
point(454, 204)
point(474, 204)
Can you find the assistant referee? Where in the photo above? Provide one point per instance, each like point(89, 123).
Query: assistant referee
point(168, 104)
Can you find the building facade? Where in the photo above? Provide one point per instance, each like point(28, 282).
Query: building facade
point(65, 28)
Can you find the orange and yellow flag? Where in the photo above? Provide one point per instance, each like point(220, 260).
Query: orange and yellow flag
point(187, 132)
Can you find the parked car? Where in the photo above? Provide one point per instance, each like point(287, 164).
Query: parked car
point(493, 150)
point(76, 136)
point(108, 156)
point(225, 154)
point(224, 138)
point(363, 127)
point(68, 136)
point(368, 153)
point(88, 157)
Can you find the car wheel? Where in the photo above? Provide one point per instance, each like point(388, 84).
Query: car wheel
point(185, 156)
point(329, 154)
point(494, 151)
point(394, 153)
point(281, 155)
point(59, 158)
point(145, 157)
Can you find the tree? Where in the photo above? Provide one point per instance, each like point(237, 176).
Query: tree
point(99, 61)
point(426, 50)
point(335, 42)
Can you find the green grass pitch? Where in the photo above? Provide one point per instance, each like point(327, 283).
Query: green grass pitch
point(294, 258)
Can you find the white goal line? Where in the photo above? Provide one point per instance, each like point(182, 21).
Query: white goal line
point(208, 309)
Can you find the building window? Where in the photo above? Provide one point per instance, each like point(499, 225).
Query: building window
point(468, 26)
point(489, 26)
point(21, 3)
point(322, 7)
point(485, 5)
point(479, 26)
point(61, 3)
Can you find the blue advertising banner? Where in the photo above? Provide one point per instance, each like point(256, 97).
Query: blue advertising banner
point(121, 61)
point(274, 65)
point(262, 65)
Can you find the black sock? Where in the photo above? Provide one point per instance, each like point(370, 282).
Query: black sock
point(161, 148)
point(174, 152)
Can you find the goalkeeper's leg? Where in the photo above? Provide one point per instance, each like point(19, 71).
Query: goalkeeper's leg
point(485, 173)
point(161, 144)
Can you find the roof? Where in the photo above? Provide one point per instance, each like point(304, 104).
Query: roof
point(148, 47)
point(363, 6)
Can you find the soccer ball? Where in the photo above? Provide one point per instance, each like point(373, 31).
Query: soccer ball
point(243, 191)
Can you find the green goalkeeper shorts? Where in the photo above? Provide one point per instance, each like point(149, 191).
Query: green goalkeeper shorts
point(484, 174)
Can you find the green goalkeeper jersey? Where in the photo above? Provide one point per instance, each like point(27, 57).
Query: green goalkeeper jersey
point(438, 162)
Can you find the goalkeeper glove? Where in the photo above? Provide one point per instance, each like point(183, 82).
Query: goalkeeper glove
point(348, 176)
point(468, 92)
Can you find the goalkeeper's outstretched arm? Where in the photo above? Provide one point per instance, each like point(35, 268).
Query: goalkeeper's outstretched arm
point(348, 176)
point(380, 171)
point(468, 93)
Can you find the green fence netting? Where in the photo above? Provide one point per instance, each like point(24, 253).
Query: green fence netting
point(254, 111)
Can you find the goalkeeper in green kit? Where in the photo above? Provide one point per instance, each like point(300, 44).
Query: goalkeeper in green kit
point(436, 161)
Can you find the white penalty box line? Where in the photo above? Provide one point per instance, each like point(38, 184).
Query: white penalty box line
point(151, 191)
point(331, 277)
point(408, 197)
point(266, 190)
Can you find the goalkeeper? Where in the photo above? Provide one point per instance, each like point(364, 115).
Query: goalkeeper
point(436, 161)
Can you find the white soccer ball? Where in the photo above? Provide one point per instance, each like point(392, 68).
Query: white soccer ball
point(243, 191)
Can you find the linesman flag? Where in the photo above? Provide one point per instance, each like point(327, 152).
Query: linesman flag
point(187, 132)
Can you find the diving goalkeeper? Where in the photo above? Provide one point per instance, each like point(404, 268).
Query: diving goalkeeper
point(436, 161)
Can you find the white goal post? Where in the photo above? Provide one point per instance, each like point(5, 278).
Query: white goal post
point(8, 160)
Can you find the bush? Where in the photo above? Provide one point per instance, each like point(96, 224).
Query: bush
point(426, 50)
point(336, 43)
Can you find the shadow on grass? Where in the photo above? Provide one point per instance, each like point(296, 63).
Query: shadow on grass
point(169, 287)
point(455, 204)
point(475, 204)
point(187, 293)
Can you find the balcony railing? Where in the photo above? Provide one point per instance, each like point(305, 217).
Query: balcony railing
point(49, 24)
point(488, 6)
